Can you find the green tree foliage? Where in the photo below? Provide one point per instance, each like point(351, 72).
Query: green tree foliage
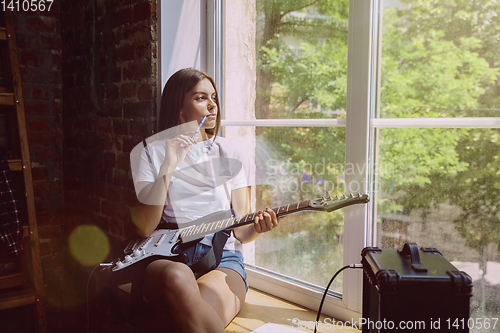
point(302, 70)
point(439, 59)
point(437, 62)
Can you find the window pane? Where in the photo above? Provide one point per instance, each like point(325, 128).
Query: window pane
point(301, 164)
point(440, 59)
point(301, 58)
point(440, 188)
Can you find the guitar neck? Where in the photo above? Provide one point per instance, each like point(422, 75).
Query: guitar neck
point(279, 211)
point(195, 232)
point(329, 204)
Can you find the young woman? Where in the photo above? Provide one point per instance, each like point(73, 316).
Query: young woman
point(173, 190)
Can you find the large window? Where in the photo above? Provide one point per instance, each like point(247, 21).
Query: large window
point(420, 95)
point(396, 98)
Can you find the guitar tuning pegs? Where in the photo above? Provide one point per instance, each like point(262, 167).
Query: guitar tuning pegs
point(338, 198)
point(351, 196)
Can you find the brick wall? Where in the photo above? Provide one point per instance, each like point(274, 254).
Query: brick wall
point(109, 93)
point(89, 81)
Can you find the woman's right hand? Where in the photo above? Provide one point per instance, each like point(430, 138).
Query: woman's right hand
point(175, 152)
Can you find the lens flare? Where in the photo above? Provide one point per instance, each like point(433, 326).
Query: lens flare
point(88, 245)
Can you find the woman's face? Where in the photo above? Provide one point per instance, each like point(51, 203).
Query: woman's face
point(200, 102)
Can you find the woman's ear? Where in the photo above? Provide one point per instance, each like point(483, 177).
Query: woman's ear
point(182, 120)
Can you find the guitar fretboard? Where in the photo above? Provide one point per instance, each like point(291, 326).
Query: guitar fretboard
point(196, 231)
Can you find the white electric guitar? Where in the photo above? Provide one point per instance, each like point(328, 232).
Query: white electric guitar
point(170, 243)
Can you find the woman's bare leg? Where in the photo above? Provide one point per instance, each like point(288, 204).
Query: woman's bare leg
point(225, 291)
point(206, 305)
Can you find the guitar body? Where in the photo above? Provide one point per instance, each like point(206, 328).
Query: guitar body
point(134, 255)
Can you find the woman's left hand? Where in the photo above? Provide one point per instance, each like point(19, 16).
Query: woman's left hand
point(266, 221)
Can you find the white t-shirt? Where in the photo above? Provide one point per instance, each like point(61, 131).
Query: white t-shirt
point(201, 184)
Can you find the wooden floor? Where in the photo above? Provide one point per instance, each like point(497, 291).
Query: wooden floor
point(261, 308)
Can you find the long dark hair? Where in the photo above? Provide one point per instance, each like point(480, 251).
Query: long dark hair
point(180, 83)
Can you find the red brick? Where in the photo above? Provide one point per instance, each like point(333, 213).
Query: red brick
point(104, 125)
point(140, 32)
point(52, 231)
point(125, 53)
point(153, 10)
point(130, 143)
point(35, 109)
point(43, 155)
point(57, 107)
point(39, 139)
point(39, 93)
point(113, 209)
point(111, 111)
point(39, 174)
point(140, 128)
point(145, 92)
point(129, 90)
point(41, 188)
point(120, 127)
point(123, 17)
point(112, 193)
point(42, 24)
point(56, 61)
point(105, 143)
point(143, 51)
point(116, 227)
point(138, 70)
point(29, 58)
point(109, 160)
point(142, 11)
point(135, 110)
point(49, 42)
point(123, 161)
point(38, 125)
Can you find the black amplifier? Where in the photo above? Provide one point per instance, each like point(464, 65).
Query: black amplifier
point(414, 290)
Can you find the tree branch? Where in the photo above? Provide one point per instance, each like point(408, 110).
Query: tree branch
point(300, 8)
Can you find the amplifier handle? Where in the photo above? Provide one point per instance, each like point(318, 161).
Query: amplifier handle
point(411, 249)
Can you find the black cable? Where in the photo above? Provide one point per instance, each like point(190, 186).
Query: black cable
point(87, 292)
point(326, 291)
point(87, 298)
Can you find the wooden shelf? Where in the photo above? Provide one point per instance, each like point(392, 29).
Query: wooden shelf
point(16, 299)
point(12, 280)
point(6, 98)
point(15, 165)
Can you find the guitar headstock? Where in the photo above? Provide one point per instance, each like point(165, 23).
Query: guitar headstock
point(330, 203)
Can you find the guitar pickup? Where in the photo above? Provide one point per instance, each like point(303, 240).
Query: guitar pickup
point(173, 237)
point(145, 243)
point(130, 246)
point(160, 240)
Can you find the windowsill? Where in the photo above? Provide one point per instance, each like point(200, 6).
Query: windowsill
point(261, 308)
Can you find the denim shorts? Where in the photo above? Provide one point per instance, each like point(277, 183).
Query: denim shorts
point(230, 259)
